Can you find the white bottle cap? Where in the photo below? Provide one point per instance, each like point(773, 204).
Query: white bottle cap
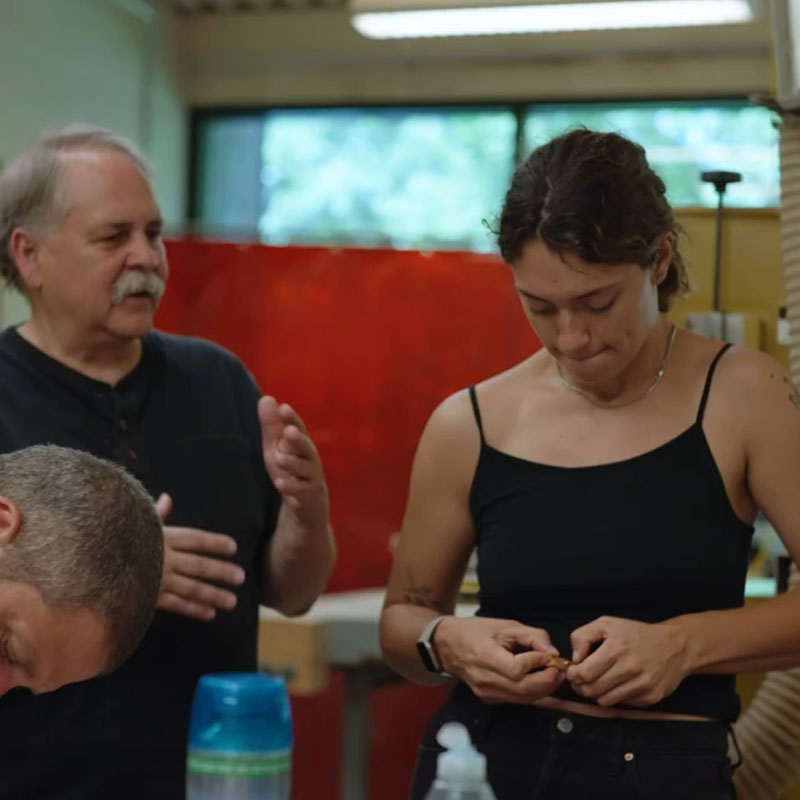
point(460, 762)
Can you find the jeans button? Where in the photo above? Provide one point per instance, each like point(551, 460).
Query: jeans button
point(564, 725)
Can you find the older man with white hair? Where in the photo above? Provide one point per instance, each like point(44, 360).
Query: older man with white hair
point(239, 483)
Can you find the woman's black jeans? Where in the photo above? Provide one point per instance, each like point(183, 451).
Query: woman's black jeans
point(533, 754)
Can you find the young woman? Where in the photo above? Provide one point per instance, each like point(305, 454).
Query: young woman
point(610, 482)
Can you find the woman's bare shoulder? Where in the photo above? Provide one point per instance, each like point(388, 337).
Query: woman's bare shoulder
point(745, 381)
point(744, 369)
point(452, 430)
point(456, 412)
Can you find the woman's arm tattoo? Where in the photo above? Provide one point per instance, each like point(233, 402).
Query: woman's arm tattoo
point(418, 595)
point(794, 395)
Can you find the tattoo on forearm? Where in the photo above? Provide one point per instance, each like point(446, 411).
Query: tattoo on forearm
point(420, 595)
point(794, 395)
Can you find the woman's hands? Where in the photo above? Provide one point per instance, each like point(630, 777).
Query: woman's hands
point(636, 663)
point(613, 660)
point(502, 661)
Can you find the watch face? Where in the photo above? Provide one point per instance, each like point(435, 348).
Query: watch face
point(424, 650)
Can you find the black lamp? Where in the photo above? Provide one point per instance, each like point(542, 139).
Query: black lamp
point(720, 181)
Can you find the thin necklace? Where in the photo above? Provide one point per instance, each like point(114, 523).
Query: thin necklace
point(659, 375)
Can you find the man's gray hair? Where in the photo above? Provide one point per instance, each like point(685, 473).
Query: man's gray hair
point(90, 539)
point(32, 192)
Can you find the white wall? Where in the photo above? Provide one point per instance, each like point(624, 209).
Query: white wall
point(315, 56)
point(107, 62)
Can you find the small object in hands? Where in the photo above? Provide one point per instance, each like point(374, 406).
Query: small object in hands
point(552, 659)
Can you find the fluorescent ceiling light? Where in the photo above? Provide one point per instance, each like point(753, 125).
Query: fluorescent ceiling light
point(551, 18)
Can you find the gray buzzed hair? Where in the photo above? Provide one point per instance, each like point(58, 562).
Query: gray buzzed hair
point(90, 539)
point(32, 192)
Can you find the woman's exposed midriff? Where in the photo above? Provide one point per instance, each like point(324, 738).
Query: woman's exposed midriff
point(591, 710)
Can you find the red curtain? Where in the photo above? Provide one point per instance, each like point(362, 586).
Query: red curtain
point(363, 344)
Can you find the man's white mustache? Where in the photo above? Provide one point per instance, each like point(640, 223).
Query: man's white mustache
point(134, 282)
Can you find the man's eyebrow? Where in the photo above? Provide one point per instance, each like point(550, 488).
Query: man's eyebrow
point(110, 224)
point(124, 225)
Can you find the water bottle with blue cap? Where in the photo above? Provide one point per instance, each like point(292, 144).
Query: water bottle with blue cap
point(460, 769)
point(240, 738)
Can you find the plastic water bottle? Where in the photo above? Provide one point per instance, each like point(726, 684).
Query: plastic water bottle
point(461, 769)
point(240, 739)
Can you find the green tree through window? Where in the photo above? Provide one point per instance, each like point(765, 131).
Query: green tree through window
point(402, 178)
point(682, 140)
point(429, 178)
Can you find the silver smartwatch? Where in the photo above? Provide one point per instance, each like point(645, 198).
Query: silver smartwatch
point(427, 652)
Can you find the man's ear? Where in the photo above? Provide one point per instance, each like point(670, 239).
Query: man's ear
point(10, 521)
point(24, 249)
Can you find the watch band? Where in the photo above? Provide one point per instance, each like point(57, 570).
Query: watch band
point(427, 652)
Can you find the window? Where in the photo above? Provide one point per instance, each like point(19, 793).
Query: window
point(406, 178)
point(682, 140)
point(430, 178)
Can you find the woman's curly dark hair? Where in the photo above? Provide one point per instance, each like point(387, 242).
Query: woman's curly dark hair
point(594, 195)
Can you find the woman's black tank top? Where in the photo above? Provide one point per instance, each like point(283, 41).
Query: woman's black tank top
point(647, 538)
